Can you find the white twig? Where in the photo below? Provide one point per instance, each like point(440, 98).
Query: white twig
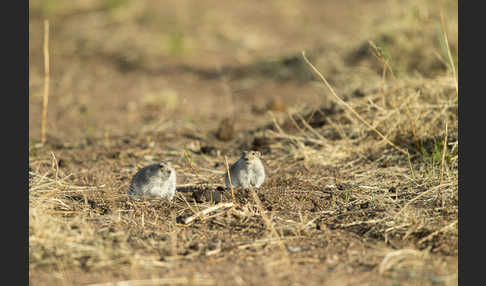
point(207, 211)
point(156, 281)
point(395, 256)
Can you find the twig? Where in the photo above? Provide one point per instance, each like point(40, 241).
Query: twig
point(395, 256)
point(295, 123)
point(187, 203)
point(62, 203)
point(259, 242)
point(297, 139)
point(428, 237)
point(276, 123)
point(46, 82)
point(307, 125)
point(207, 211)
point(155, 281)
point(283, 134)
point(372, 221)
point(319, 75)
point(212, 171)
point(421, 195)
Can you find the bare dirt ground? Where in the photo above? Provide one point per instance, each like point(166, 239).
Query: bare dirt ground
point(360, 188)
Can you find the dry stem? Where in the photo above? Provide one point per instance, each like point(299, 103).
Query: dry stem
point(446, 40)
point(444, 149)
point(190, 165)
point(268, 222)
point(412, 125)
point(430, 236)
point(380, 57)
point(229, 179)
point(46, 81)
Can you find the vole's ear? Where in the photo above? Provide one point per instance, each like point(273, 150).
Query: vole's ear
point(258, 153)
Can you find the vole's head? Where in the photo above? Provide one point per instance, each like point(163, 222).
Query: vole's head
point(166, 168)
point(249, 156)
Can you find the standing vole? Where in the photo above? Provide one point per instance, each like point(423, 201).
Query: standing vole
point(247, 171)
point(154, 181)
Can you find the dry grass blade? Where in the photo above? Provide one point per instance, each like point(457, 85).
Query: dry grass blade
point(421, 195)
point(319, 75)
point(296, 139)
point(291, 118)
point(268, 222)
point(386, 66)
point(276, 123)
point(190, 165)
point(306, 124)
point(446, 40)
point(229, 179)
point(412, 125)
point(46, 82)
point(444, 149)
point(55, 165)
point(107, 138)
point(381, 58)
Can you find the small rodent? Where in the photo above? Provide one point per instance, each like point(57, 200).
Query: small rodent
point(154, 181)
point(247, 171)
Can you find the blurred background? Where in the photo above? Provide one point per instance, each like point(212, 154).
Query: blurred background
point(119, 66)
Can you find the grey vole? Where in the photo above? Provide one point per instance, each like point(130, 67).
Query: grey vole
point(247, 171)
point(154, 181)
